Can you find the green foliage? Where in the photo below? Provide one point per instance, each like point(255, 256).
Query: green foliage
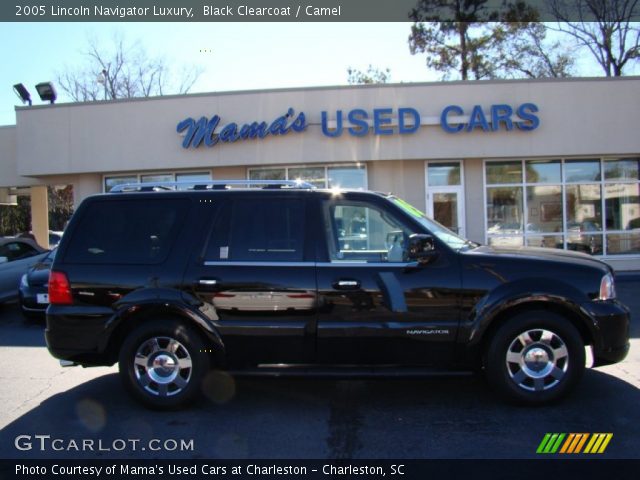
point(15, 219)
point(476, 42)
point(372, 75)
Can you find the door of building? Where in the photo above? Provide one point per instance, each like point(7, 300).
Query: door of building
point(445, 194)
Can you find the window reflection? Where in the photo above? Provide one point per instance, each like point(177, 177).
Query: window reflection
point(596, 210)
point(543, 171)
point(504, 172)
point(442, 174)
point(544, 209)
point(622, 169)
point(582, 170)
point(504, 210)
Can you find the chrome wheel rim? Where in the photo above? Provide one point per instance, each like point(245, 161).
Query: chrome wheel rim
point(162, 366)
point(537, 360)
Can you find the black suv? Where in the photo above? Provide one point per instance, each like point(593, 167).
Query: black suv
point(282, 278)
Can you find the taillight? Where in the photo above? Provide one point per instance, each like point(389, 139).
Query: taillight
point(59, 289)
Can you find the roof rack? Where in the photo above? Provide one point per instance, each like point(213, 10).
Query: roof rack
point(211, 185)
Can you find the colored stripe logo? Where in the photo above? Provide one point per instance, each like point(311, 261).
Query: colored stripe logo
point(592, 443)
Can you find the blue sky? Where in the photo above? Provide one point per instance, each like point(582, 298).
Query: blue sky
point(234, 56)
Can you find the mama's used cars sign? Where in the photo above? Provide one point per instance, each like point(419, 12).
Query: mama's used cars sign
point(360, 122)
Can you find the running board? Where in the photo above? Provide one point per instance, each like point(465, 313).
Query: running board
point(382, 371)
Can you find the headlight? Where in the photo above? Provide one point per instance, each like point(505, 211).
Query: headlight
point(23, 281)
point(607, 288)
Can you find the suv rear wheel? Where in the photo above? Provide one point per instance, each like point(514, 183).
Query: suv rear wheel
point(535, 358)
point(162, 363)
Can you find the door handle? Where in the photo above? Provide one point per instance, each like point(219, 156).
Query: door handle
point(346, 284)
point(209, 284)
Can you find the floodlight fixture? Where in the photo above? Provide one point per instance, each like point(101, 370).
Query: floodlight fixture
point(47, 92)
point(22, 93)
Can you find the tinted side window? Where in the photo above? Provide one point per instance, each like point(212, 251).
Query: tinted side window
point(16, 251)
point(259, 229)
point(127, 232)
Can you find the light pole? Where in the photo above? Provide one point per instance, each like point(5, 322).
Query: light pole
point(102, 79)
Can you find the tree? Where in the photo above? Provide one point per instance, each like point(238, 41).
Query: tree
point(604, 27)
point(372, 75)
point(522, 50)
point(123, 71)
point(470, 38)
point(60, 206)
point(15, 219)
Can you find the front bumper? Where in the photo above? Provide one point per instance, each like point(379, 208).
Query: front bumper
point(610, 328)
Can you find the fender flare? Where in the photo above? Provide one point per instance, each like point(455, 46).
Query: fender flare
point(142, 302)
point(556, 294)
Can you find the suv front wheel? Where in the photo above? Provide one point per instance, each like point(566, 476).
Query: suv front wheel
point(162, 363)
point(535, 358)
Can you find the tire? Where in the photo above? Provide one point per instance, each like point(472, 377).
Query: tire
point(535, 358)
point(162, 363)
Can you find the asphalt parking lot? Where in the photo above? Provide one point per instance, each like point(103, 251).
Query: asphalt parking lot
point(453, 417)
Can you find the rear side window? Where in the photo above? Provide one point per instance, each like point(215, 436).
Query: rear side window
point(265, 229)
point(126, 232)
point(17, 251)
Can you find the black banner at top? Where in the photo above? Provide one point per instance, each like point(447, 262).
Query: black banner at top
point(299, 10)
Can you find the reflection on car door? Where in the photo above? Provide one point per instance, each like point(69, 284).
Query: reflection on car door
point(259, 276)
point(376, 306)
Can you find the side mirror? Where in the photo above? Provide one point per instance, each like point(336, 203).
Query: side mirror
point(4, 259)
point(422, 248)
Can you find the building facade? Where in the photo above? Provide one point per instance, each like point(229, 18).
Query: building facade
point(540, 163)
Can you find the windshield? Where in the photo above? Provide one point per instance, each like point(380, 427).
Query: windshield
point(443, 233)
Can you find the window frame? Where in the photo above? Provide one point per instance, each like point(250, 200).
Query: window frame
point(326, 205)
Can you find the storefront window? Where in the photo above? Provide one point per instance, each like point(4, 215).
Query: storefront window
point(504, 216)
point(543, 171)
point(622, 207)
point(582, 171)
point(192, 177)
point(504, 172)
point(156, 178)
point(584, 206)
point(313, 175)
point(110, 182)
point(623, 244)
point(346, 177)
point(544, 209)
point(267, 174)
point(583, 211)
point(545, 241)
point(343, 176)
point(622, 169)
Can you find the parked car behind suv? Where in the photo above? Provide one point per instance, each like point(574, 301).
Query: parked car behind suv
point(34, 288)
point(17, 256)
point(169, 284)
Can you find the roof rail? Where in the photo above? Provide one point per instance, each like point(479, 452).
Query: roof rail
point(211, 185)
